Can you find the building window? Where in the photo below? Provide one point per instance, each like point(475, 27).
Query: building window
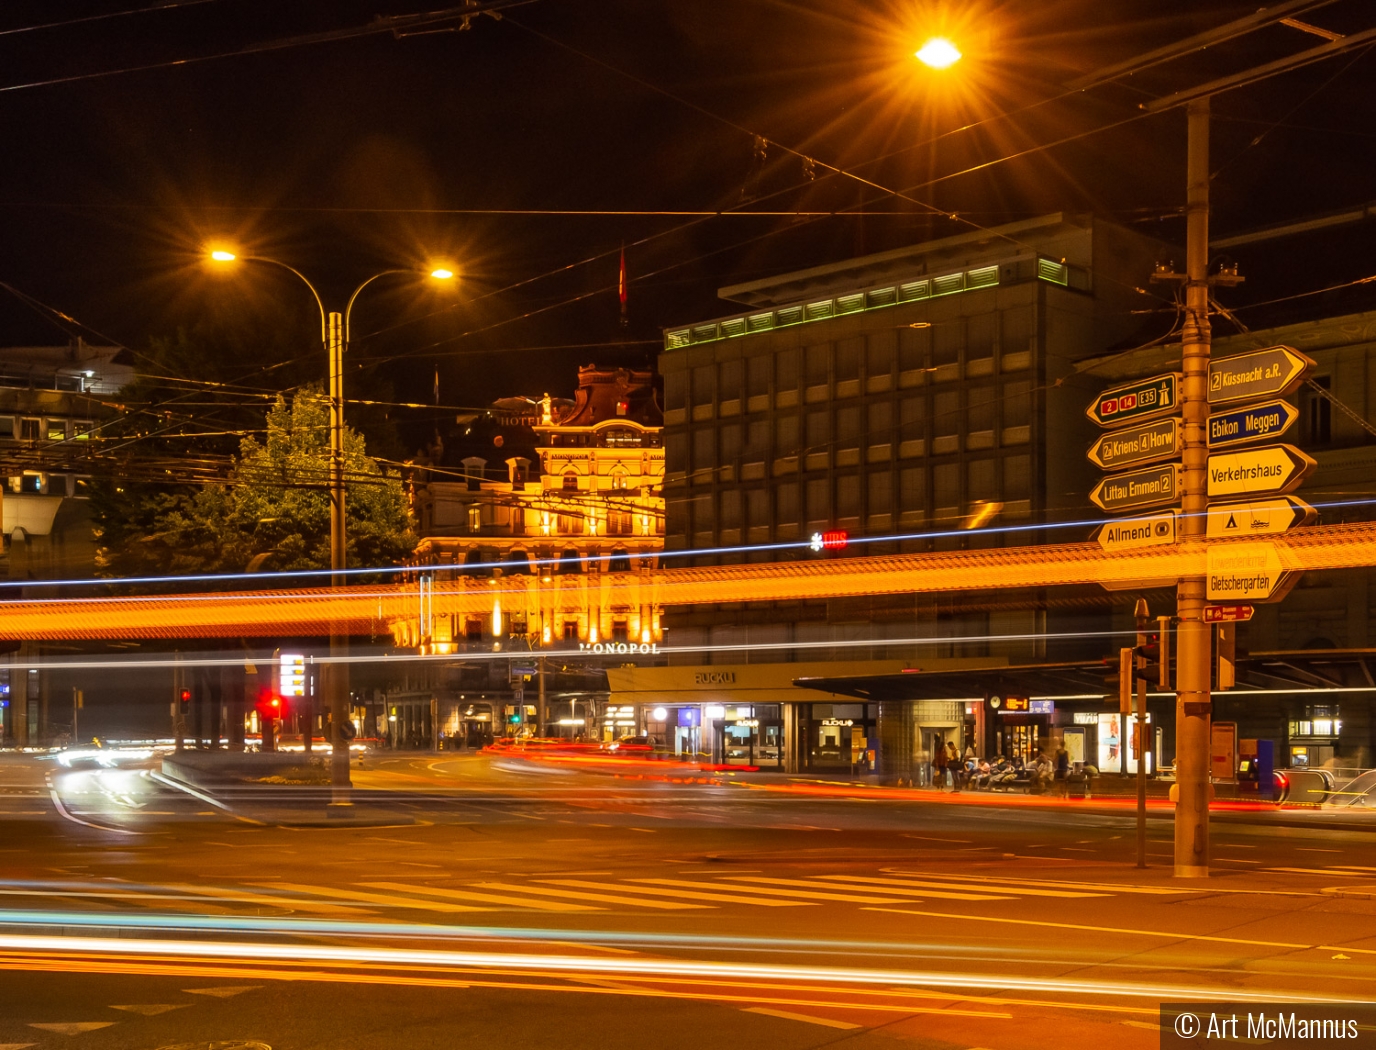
point(912, 489)
point(473, 630)
point(570, 524)
point(818, 438)
point(879, 424)
point(620, 523)
point(880, 493)
point(570, 562)
point(879, 354)
point(570, 482)
point(1319, 411)
point(730, 442)
point(6, 426)
point(619, 479)
point(675, 390)
point(570, 631)
point(704, 458)
point(786, 370)
point(757, 375)
point(730, 380)
point(817, 359)
point(620, 561)
point(913, 346)
point(475, 518)
point(517, 564)
point(947, 341)
point(704, 385)
point(848, 358)
point(57, 430)
point(621, 437)
point(28, 429)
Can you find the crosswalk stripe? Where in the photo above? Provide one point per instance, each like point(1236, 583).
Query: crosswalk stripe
point(805, 893)
point(390, 901)
point(1317, 871)
point(606, 898)
point(488, 898)
point(1012, 884)
point(245, 897)
point(812, 884)
point(993, 883)
point(696, 895)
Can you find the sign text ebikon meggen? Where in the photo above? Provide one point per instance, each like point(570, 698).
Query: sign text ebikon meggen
point(1136, 401)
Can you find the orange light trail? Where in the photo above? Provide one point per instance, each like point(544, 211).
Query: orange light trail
point(378, 609)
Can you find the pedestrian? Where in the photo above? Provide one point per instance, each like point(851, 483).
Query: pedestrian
point(938, 765)
point(954, 764)
point(1062, 772)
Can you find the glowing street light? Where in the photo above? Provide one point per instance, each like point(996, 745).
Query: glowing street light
point(442, 274)
point(938, 53)
point(220, 255)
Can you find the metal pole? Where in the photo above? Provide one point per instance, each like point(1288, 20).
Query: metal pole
point(541, 715)
point(1193, 704)
point(1139, 731)
point(336, 671)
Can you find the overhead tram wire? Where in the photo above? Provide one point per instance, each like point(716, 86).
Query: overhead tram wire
point(166, 5)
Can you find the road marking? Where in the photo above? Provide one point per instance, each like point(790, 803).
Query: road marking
point(696, 895)
point(16, 1046)
point(606, 898)
point(918, 884)
point(806, 1018)
point(294, 903)
point(1352, 867)
point(1011, 883)
point(487, 898)
point(74, 1027)
point(1313, 871)
point(370, 898)
point(1143, 1024)
point(62, 810)
point(223, 991)
point(152, 1009)
point(876, 895)
point(809, 894)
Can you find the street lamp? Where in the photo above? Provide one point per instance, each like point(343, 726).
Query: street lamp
point(938, 53)
point(334, 334)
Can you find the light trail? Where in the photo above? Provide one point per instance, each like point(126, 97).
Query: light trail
point(48, 951)
point(662, 555)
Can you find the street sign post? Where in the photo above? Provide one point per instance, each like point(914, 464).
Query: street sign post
point(1249, 572)
point(1239, 426)
point(1269, 470)
point(1257, 374)
point(1137, 401)
point(1257, 517)
point(1152, 531)
point(1135, 445)
point(1228, 613)
point(1139, 489)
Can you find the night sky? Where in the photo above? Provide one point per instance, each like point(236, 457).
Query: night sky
point(344, 158)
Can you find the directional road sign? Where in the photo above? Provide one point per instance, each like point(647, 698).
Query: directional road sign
point(1137, 444)
point(1240, 426)
point(1228, 613)
point(1134, 402)
point(1151, 531)
point(1139, 489)
point(1258, 517)
point(1257, 374)
point(1245, 572)
point(1271, 469)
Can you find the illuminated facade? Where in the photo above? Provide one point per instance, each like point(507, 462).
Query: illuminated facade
point(566, 509)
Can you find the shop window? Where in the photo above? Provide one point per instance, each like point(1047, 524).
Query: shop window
point(33, 483)
point(570, 481)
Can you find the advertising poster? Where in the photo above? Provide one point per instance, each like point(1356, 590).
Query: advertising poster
point(1111, 743)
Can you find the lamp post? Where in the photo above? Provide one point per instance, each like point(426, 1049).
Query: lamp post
point(334, 334)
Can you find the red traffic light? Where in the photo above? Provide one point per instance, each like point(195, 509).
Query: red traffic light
point(186, 696)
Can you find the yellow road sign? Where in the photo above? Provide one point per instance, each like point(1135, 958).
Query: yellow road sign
point(1259, 517)
point(1271, 469)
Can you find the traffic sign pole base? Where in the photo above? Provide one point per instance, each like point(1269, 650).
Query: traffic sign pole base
point(1191, 871)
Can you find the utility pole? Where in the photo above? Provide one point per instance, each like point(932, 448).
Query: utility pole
point(78, 701)
point(337, 671)
point(1193, 700)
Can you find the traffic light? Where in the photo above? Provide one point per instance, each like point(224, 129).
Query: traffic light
point(184, 699)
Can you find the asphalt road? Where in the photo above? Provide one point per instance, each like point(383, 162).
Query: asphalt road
point(481, 901)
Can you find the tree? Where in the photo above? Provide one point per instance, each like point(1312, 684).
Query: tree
point(274, 514)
